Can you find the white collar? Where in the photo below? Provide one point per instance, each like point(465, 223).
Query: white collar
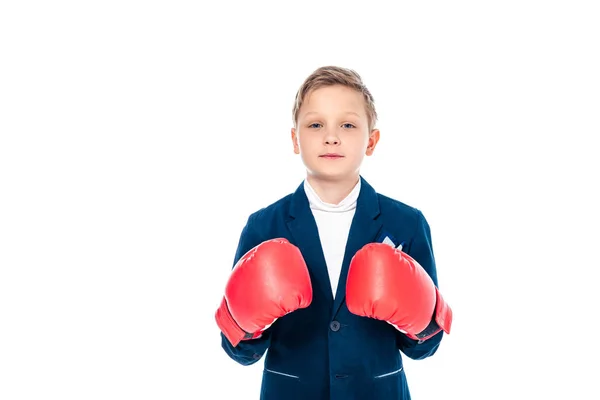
point(347, 204)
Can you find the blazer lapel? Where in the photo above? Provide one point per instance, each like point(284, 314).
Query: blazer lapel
point(364, 229)
point(304, 230)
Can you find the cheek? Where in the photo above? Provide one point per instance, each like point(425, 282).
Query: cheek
point(360, 144)
point(306, 142)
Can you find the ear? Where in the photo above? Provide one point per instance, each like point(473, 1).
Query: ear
point(295, 141)
point(373, 139)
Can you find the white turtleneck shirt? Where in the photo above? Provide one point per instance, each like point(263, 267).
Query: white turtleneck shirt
point(333, 223)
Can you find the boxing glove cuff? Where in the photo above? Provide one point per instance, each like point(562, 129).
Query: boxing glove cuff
point(442, 320)
point(229, 327)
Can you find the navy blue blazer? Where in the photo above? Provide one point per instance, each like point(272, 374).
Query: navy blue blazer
point(324, 352)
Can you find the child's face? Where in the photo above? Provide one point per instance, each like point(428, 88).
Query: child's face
point(332, 134)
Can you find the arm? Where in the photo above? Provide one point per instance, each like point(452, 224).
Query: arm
point(247, 352)
point(421, 249)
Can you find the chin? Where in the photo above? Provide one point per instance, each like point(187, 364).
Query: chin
point(330, 175)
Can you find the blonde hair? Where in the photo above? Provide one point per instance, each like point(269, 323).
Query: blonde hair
point(332, 75)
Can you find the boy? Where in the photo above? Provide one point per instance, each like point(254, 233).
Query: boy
point(335, 280)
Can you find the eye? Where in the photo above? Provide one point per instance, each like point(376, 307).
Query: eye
point(348, 126)
point(315, 125)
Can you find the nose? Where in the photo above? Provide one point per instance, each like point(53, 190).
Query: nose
point(331, 137)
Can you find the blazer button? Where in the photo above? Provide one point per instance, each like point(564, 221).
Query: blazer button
point(334, 326)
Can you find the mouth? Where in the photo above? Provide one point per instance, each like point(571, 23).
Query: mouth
point(331, 155)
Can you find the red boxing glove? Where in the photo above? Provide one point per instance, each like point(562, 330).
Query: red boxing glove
point(387, 284)
point(268, 282)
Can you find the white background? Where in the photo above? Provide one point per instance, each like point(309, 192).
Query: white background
point(137, 137)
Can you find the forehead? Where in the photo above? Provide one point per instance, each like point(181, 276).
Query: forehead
point(336, 98)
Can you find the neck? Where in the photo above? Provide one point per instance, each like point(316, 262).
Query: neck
point(332, 191)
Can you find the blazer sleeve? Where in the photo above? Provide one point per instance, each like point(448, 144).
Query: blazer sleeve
point(420, 248)
point(247, 352)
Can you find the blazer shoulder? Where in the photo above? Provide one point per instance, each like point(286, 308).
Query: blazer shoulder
point(393, 208)
point(270, 214)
